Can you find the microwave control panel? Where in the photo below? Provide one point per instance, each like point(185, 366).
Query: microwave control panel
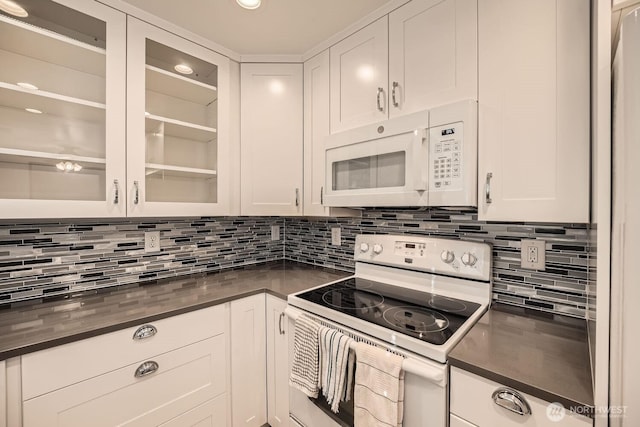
point(445, 154)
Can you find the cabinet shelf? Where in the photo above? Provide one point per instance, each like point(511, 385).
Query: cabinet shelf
point(165, 82)
point(179, 129)
point(55, 104)
point(12, 155)
point(154, 168)
point(46, 45)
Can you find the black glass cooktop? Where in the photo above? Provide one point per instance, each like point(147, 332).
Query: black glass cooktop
point(422, 315)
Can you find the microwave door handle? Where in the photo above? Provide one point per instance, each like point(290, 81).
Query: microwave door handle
point(420, 160)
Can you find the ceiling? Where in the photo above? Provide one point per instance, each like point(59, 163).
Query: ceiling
point(282, 27)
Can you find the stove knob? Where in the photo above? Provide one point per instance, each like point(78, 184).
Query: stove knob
point(447, 256)
point(469, 259)
point(364, 247)
point(377, 248)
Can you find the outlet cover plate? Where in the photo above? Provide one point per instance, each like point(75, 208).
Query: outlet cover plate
point(532, 254)
point(275, 232)
point(336, 238)
point(152, 241)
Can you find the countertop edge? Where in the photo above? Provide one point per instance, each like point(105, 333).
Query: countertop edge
point(90, 333)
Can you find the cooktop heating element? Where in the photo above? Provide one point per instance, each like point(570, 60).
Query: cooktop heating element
point(422, 315)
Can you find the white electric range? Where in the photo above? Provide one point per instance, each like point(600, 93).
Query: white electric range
point(414, 296)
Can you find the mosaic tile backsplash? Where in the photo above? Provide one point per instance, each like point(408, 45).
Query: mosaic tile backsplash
point(566, 286)
point(39, 260)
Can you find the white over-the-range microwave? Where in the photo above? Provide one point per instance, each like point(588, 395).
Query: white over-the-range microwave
point(427, 158)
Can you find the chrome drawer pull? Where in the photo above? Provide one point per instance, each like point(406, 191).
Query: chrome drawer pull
point(147, 368)
point(511, 400)
point(145, 331)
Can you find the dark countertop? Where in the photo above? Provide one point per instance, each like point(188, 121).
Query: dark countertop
point(543, 355)
point(36, 325)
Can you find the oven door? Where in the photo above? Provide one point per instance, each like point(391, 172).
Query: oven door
point(379, 165)
point(425, 404)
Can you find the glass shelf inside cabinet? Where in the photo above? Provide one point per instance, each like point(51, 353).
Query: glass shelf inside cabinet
point(52, 104)
point(180, 126)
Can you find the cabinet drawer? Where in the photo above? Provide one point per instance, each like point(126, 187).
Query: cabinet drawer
point(185, 378)
point(211, 414)
point(57, 367)
point(471, 400)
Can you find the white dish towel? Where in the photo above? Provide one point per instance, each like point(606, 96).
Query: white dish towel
point(336, 366)
point(305, 367)
point(379, 388)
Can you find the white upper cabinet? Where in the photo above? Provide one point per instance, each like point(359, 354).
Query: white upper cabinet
point(422, 55)
point(534, 110)
point(432, 54)
point(271, 139)
point(177, 125)
point(316, 130)
point(359, 77)
point(62, 96)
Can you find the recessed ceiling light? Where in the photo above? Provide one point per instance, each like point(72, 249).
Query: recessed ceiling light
point(27, 86)
point(33, 110)
point(13, 8)
point(183, 69)
point(249, 4)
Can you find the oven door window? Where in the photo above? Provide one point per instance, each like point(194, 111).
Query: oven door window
point(376, 171)
point(344, 417)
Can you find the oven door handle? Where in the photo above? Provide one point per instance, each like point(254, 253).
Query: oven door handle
point(434, 374)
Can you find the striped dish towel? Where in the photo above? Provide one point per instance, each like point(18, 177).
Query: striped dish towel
point(379, 388)
point(305, 366)
point(335, 366)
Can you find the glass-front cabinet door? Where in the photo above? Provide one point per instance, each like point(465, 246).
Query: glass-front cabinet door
point(177, 142)
point(62, 119)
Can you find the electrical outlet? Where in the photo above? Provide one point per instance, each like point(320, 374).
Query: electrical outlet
point(336, 238)
point(275, 232)
point(532, 254)
point(152, 241)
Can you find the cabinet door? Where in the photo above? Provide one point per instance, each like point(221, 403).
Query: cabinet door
point(432, 54)
point(533, 110)
point(62, 94)
point(248, 355)
point(177, 125)
point(277, 363)
point(316, 129)
point(359, 71)
point(271, 139)
point(179, 381)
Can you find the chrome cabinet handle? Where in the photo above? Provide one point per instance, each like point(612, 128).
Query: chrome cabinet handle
point(146, 368)
point(280, 329)
point(297, 197)
point(144, 331)
point(487, 189)
point(378, 96)
point(393, 94)
point(322, 195)
point(116, 195)
point(511, 400)
point(136, 197)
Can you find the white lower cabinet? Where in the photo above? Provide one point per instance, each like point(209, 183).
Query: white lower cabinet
point(175, 373)
point(277, 363)
point(174, 383)
point(472, 405)
point(248, 355)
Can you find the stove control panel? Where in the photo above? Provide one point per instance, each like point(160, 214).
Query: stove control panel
point(444, 256)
